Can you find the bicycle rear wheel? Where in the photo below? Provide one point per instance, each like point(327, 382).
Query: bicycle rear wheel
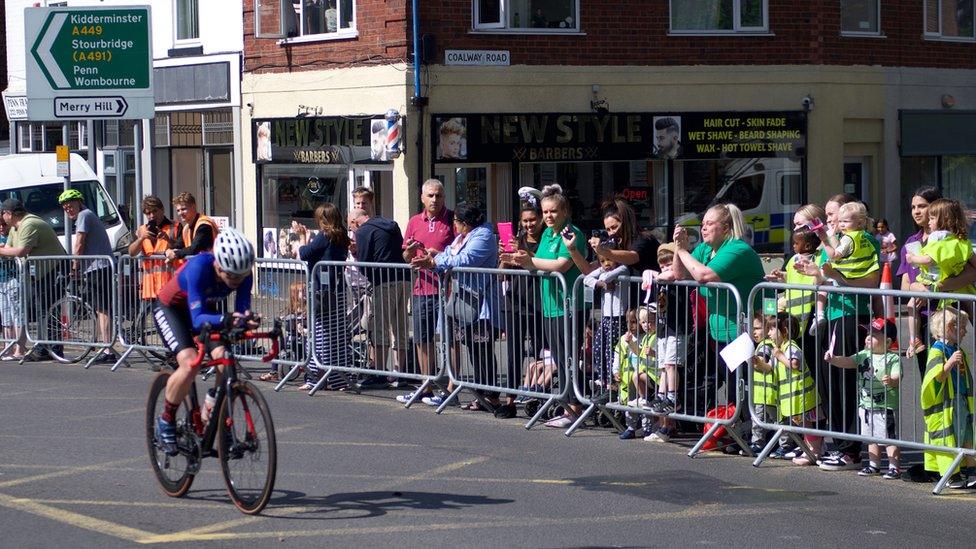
point(175, 474)
point(76, 324)
point(248, 458)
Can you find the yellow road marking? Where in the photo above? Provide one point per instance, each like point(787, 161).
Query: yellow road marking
point(341, 443)
point(74, 519)
point(291, 428)
point(68, 472)
point(703, 511)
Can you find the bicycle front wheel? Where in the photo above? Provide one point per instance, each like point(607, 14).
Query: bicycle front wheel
point(76, 328)
point(247, 448)
point(174, 473)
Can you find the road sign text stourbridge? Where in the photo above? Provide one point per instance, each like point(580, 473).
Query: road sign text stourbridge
point(94, 51)
point(89, 62)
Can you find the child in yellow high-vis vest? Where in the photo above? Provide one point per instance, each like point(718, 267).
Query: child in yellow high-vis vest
point(853, 253)
point(798, 398)
point(947, 397)
point(765, 388)
point(634, 370)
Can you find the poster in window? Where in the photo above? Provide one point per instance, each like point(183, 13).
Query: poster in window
point(263, 150)
point(452, 139)
point(667, 136)
point(377, 139)
point(270, 240)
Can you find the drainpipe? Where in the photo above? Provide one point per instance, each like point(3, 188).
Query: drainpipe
point(418, 100)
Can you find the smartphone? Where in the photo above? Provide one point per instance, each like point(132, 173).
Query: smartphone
point(505, 235)
point(567, 231)
point(602, 235)
point(815, 225)
point(152, 229)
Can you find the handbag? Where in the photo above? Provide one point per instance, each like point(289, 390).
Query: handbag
point(463, 304)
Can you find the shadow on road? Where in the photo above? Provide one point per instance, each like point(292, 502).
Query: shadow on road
point(363, 505)
point(689, 488)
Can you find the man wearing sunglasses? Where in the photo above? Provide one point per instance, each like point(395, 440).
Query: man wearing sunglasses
point(189, 301)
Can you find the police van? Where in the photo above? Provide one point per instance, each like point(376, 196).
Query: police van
point(768, 191)
point(32, 178)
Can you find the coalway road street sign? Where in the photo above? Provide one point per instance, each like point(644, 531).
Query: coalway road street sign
point(89, 62)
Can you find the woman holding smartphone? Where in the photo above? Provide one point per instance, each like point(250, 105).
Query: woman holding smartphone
point(521, 308)
point(553, 255)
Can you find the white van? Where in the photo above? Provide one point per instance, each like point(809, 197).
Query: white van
point(768, 191)
point(32, 178)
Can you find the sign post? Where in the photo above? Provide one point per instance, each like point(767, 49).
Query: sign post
point(63, 155)
point(89, 63)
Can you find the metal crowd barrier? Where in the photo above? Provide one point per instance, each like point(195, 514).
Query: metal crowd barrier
point(361, 327)
point(281, 292)
point(897, 416)
point(139, 281)
point(612, 377)
point(500, 344)
point(65, 298)
point(12, 304)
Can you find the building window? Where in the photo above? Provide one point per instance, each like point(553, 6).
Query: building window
point(187, 20)
point(46, 136)
point(951, 19)
point(860, 16)
point(526, 15)
point(718, 16)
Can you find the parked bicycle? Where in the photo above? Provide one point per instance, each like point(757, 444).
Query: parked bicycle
point(240, 431)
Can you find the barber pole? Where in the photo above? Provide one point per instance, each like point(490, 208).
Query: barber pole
point(392, 133)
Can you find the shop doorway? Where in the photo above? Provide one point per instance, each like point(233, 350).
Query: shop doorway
point(120, 182)
point(857, 177)
point(219, 195)
point(380, 180)
point(467, 183)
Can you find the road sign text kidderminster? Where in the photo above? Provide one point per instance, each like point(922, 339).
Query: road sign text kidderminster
point(89, 52)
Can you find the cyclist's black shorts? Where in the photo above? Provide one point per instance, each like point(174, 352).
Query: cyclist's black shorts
point(176, 328)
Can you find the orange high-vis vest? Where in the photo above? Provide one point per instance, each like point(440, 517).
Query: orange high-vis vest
point(156, 272)
point(190, 232)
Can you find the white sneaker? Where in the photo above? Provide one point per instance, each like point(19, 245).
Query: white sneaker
point(658, 436)
point(404, 398)
point(642, 403)
point(435, 400)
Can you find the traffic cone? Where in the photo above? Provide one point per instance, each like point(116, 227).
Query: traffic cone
point(889, 300)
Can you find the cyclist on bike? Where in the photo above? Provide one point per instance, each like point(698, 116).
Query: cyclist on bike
point(188, 302)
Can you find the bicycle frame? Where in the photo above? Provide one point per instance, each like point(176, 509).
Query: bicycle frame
point(223, 383)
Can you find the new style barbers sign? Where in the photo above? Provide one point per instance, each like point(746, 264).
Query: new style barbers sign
point(560, 137)
point(319, 140)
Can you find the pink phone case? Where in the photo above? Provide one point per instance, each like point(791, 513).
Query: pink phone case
point(505, 235)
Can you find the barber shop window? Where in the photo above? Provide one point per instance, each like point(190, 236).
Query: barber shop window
point(719, 16)
point(950, 19)
point(526, 15)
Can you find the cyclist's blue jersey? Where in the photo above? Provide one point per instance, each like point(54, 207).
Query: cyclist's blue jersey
point(197, 287)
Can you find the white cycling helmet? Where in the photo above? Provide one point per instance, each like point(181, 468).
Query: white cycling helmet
point(234, 252)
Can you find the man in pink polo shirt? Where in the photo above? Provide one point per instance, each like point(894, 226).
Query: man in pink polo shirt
point(432, 230)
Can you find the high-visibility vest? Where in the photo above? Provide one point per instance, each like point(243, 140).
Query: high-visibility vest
point(190, 232)
point(938, 400)
point(799, 303)
point(156, 273)
point(765, 388)
point(797, 391)
point(863, 259)
point(645, 363)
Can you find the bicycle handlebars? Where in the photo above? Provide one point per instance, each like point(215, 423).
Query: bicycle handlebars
point(234, 333)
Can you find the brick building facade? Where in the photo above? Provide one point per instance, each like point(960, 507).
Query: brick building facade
point(840, 79)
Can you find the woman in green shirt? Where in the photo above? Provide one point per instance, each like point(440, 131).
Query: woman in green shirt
point(721, 256)
point(553, 256)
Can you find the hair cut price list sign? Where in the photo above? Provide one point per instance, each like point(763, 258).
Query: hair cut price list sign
point(89, 63)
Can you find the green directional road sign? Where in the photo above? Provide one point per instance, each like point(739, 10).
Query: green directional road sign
point(89, 62)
